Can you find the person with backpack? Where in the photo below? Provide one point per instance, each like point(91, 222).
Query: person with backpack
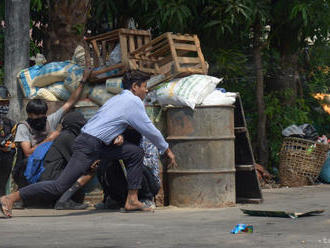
point(7, 145)
point(49, 160)
point(97, 142)
point(39, 129)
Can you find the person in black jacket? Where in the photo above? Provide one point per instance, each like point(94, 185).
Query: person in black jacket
point(7, 134)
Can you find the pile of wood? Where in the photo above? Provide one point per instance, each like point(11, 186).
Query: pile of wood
point(170, 55)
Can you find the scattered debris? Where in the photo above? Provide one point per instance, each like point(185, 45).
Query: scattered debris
point(242, 228)
point(283, 214)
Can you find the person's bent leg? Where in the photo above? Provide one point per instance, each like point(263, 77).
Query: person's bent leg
point(132, 155)
point(84, 154)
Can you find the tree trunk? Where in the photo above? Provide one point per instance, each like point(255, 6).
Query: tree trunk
point(262, 145)
point(67, 21)
point(17, 45)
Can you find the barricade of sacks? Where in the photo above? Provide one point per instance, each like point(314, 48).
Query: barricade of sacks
point(56, 81)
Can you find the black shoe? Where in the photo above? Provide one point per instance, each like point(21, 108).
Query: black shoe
point(70, 205)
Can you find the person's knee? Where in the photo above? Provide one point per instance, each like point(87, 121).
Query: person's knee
point(60, 189)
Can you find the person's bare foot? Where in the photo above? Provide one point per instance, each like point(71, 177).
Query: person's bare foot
point(136, 206)
point(6, 206)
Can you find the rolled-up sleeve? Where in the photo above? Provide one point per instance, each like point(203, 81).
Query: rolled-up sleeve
point(139, 120)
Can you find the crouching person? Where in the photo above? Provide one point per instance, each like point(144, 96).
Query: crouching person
point(39, 129)
point(97, 142)
point(112, 176)
point(59, 155)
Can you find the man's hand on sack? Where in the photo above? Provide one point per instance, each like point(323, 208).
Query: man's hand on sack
point(119, 140)
point(172, 162)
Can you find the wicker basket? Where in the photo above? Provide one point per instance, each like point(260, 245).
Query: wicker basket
point(301, 161)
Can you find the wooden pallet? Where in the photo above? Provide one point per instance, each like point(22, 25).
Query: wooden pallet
point(98, 49)
point(173, 55)
point(247, 184)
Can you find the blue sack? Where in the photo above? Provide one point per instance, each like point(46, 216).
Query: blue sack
point(35, 164)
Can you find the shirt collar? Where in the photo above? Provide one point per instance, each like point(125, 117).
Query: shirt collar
point(127, 92)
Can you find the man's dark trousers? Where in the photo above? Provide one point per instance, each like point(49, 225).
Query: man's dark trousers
point(86, 150)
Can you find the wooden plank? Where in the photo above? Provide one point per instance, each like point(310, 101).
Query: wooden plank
point(123, 48)
point(100, 37)
point(189, 60)
point(152, 48)
point(183, 37)
point(139, 41)
point(200, 54)
point(161, 52)
point(191, 70)
point(173, 52)
point(131, 43)
point(165, 60)
point(186, 47)
point(104, 52)
point(149, 44)
point(96, 53)
point(135, 32)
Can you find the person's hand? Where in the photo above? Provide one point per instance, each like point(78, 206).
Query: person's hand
point(119, 140)
point(94, 166)
point(53, 135)
point(172, 162)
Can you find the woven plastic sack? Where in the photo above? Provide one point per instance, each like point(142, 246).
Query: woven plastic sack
point(79, 56)
point(58, 90)
point(107, 74)
point(45, 94)
point(71, 82)
point(115, 55)
point(51, 73)
point(25, 78)
point(86, 107)
point(114, 85)
point(219, 98)
point(99, 94)
point(187, 91)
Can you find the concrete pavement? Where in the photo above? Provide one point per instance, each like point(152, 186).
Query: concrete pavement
point(174, 227)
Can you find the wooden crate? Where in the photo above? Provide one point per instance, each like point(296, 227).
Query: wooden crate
point(98, 49)
point(173, 55)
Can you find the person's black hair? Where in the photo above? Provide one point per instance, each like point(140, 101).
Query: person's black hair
point(36, 106)
point(134, 76)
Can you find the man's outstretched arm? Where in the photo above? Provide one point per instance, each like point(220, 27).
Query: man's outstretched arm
point(75, 96)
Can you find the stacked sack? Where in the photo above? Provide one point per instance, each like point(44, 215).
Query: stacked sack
point(57, 80)
point(191, 91)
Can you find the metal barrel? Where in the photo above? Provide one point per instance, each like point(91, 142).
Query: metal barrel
point(203, 142)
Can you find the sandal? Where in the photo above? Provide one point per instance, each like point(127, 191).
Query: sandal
point(3, 209)
point(144, 208)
